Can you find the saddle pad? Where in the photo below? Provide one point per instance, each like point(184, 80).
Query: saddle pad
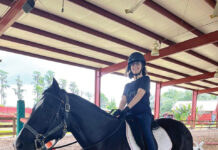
point(161, 136)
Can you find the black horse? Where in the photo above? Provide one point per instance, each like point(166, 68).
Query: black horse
point(58, 112)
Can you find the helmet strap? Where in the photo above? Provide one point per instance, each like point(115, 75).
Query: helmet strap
point(137, 74)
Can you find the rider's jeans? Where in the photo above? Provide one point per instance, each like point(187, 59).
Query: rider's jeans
point(145, 122)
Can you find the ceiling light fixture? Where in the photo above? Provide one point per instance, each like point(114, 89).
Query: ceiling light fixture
point(131, 10)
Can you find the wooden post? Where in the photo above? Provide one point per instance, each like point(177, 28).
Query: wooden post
point(157, 101)
point(193, 111)
point(97, 87)
point(217, 116)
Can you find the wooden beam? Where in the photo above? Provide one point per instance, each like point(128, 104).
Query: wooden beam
point(189, 79)
point(12, 15)
point(211, 3)
point(179, 47)
point(174, 18)
point(208, 90)
point(45, 58)
point(55, 50)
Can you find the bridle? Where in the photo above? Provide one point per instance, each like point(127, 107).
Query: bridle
point(39, 140)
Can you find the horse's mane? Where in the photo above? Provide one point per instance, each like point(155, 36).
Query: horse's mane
point(88, 103)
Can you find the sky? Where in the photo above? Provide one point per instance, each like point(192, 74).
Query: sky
point(24, 66)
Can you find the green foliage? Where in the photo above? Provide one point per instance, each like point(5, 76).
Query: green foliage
point(169, 98)
point(49, 78)
point(3, 86)
point(182, 113)
point(89, 95)
point(63, 84)
point(74, 88)
point(18, 90)
point(111, 105)
point(38, 85)
point(106, 103)
point(103, 101)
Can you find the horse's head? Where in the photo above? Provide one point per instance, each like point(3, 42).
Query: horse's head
point(48, 120)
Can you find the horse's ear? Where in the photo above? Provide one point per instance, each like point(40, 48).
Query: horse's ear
point(55, 85)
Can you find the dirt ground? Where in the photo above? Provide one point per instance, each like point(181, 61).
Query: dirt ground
point(206, 135)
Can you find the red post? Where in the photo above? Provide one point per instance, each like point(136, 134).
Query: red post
point(194, 104)
point(97, 87)
point(217, 116)
point(157, 101)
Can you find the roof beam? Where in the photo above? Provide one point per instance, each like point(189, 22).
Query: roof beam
point(211, 3)
point(120, 20)
point(87, 29)
point(67, 40)
point(202, 57)
point(129, 24)
point(174, 18)
point(11, 16)
point(208, 90)
point(70, 41)
point(179, 47)
point(45, 57)
point(80, 27)
point(55, 50)
point(189, 79)
point(83, 28)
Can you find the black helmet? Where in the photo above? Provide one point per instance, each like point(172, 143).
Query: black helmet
point(136, 56)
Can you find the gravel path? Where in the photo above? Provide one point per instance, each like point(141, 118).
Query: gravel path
point(199, 135)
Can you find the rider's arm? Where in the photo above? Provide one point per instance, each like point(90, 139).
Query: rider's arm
point(122, 102)
point(140, 93)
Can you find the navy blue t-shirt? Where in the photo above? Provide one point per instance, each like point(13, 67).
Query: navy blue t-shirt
point(130, 91)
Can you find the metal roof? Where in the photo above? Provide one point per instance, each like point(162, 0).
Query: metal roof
point(100, 35)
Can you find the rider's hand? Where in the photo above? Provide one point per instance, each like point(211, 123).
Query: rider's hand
point(117, 113)
point(124, 112)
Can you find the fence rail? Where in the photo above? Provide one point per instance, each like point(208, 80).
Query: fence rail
point(7, 126)
point(200, 124)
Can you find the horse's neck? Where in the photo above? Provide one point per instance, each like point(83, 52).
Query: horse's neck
point(89, 124)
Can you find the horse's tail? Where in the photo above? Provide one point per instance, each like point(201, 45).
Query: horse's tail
point(179, 134)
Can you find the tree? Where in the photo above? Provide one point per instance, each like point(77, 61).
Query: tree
point(166, 105)
point(18, 90)
point(38, 83)
point(207, 97)
point(103, 101)
point(89, 95)
point(49, 78)
point(182, 112)
point(111, 105)
point(63, 84)
point(3, 86)
point(82, 93)
point(73, 88)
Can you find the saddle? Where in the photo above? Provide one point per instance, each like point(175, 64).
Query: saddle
point(136, 131)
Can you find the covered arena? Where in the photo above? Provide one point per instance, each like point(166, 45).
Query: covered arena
point(179, 40)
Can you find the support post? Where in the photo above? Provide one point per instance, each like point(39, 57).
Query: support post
point(217, 116)
point(20, 114)
point(157, 101)
point(194, 105)
point(97, 87)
